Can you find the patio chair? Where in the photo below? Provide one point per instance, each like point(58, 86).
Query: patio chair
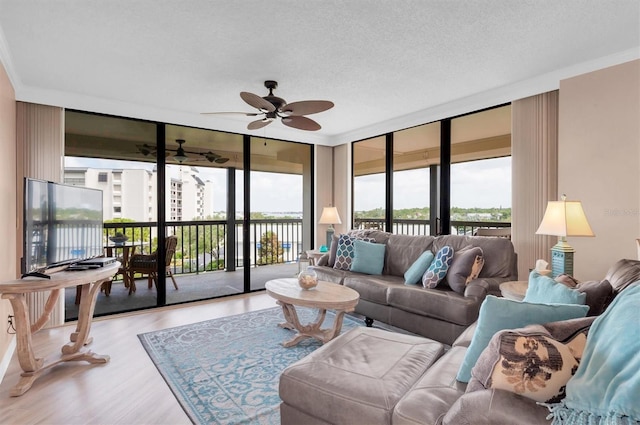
point(148, 264)
point(501, 232)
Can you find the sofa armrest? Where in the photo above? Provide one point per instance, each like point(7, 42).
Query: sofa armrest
point(478, 288)
point(489, 407)
point(323, 261)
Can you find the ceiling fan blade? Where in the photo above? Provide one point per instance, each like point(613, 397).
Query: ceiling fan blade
point(247, 114)
point(307, 107)
point(301, 123)
point(254, 125)
point(257, 102)
point(221, 160)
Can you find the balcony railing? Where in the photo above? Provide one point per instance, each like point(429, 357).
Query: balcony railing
point(422, 227)
point(202, 244)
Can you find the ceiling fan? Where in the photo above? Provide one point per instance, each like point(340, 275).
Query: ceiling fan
point(181, 153)
point(273, 107)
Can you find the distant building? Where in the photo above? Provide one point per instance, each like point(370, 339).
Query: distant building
point(131, 193)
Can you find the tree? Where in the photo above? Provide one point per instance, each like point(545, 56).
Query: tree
point(270, 250)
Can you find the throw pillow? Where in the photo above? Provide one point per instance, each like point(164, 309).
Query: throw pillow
point(345, 252)
point(368, 257)
point(497, 314)
point(529, 362)
point(418, 268)
point(599, 294)
point(545, 290)
point(465, 266)
point(438, 268)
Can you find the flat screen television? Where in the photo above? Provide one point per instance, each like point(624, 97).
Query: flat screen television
point(62, 225)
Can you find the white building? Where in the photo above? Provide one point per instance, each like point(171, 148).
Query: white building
point(131, 193)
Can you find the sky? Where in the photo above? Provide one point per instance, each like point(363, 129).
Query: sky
point(482, 184)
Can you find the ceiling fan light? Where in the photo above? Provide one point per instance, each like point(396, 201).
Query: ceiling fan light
point(180, 156)
point(286, 112)
point(286, 119)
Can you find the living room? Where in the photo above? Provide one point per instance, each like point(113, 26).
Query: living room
point(598, 162)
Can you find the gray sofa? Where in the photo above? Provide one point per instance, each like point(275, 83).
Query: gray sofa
point(441, 313)
point(373, 376)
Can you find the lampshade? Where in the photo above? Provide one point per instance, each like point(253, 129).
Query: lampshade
point(564, 218)
point(330, 216)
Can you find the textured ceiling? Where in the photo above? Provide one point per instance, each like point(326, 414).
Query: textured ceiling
point(385, 64)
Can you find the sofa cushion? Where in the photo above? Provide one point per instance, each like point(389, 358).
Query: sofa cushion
point(545, 290)
point(435, 392)
point(368, 257)
point(358, 377)
point(465, 266)
point(329, 274)
point(333, 250)
point(438, 268)
point(440, 303)
point(418, 268)
point(403, 251)
point(497, 314)
point(372, 288)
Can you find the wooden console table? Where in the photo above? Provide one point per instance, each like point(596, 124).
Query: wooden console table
point(15, 291)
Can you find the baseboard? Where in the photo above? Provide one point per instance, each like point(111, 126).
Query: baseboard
point(4, 364)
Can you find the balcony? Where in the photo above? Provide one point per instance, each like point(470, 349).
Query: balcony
point(204, 267)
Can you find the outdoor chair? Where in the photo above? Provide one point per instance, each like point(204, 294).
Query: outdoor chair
point(148, 264)
point(501, 232)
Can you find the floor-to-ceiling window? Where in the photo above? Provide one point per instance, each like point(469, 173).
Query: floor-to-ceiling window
point(279, 179)
point(416, 154)
point(369, 184)
point(448, 176)
point(481, 170)
point(161, 181)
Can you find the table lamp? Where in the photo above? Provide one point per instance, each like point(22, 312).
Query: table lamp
point(330, 216)
point(563, 218)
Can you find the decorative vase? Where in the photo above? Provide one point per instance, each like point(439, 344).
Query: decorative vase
point(307, 279)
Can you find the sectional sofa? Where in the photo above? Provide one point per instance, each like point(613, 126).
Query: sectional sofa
point(373, 376)
point(441, 313)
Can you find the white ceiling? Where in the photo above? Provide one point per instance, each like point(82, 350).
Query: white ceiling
point(385, 64)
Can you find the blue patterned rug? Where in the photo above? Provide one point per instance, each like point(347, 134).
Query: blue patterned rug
point(226, 371)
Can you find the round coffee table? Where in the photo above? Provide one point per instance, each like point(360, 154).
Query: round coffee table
point(515, 290)
point(325, 296)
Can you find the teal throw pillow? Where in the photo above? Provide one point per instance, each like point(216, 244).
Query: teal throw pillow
point(418, 268)
point(368, 257)
point(497, 314)
point(545, 290)
point(438, 268)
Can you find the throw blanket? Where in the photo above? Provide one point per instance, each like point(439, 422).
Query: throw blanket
point(606, 386)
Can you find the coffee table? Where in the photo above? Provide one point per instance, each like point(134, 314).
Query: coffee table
point(326, 295)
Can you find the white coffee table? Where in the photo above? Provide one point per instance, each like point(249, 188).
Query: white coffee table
point(325, 296)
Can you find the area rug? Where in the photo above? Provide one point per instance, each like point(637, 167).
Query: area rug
point(226, 371)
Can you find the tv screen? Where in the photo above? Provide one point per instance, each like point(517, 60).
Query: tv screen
point(62, 224)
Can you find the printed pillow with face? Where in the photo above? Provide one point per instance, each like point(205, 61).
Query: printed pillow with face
point(530, 362)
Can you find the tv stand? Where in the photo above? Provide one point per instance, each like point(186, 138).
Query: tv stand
point(15, 291)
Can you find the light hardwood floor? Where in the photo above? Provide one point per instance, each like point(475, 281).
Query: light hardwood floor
point(128, 389)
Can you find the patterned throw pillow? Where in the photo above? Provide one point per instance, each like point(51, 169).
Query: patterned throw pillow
point(438, 268)
point(465, 266)
point(529, 362)
point(346, 251)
